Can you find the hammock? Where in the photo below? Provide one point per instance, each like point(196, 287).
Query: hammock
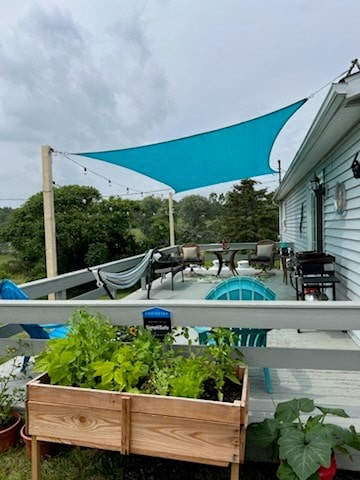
point(126, 279)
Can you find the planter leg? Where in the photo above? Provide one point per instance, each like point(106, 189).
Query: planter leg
point(35, 458)
point(235, 471)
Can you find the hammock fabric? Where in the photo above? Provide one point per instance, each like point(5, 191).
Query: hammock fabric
point(126, 279)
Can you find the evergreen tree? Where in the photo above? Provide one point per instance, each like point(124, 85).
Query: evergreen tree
point(251, 214)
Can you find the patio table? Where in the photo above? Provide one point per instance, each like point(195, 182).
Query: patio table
point(221, 253)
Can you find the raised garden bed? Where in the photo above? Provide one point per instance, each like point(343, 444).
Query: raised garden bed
point(184, 429)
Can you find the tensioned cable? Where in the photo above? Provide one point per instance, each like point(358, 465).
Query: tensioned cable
point(328, 83)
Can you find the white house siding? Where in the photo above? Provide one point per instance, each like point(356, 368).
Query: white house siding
point(290, 220)
point(341, 231)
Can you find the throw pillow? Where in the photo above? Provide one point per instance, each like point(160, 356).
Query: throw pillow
point(190, 253)
point(264, 251)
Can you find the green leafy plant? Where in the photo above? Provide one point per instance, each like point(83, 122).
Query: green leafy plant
point(189, 376)
point(303, 445)
point(69, 360)
point(129, 364)
point(93, 355)
point(222, 346)
point(9, 396)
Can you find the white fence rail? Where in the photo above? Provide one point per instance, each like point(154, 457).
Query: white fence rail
point(340, 316)
point(274, 315)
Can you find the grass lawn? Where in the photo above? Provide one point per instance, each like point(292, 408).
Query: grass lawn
point(74, 463)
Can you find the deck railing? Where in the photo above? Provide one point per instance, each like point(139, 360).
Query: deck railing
point(333, 316)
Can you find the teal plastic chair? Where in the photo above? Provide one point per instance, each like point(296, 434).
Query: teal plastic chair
point(242, 288)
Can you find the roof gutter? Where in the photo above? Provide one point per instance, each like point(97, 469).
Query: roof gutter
point(306, 157)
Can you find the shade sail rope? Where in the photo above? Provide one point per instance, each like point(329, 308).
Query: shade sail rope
point(126, 279)
point(327, 84)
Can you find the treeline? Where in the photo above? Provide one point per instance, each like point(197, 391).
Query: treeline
point(91, 230)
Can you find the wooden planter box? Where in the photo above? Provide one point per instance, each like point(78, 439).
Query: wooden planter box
point(170, 427)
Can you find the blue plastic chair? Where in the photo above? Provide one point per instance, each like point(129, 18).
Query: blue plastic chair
point(242, 288)
point(10, 291)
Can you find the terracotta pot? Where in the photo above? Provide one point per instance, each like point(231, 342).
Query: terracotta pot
point(328, 473)
point(46, 449)
point(9, 436)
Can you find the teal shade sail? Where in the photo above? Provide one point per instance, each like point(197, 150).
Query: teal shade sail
point(224, 155)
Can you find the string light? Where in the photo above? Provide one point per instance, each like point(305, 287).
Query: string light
point(109, 181)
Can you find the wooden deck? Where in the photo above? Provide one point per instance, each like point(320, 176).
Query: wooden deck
point(328, 388)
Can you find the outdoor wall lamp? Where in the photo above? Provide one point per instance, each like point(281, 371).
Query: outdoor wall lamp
point(355, 167)
point(317, 187)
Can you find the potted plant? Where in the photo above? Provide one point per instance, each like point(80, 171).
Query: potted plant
point(10, 420)
point(144, 396)
point(47, 449)
point(305, 446)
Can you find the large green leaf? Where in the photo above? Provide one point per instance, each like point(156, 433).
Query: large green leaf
point(305, 453)
point(290, 411)
point(338, 412)
point(262, 434)
point(285, 472)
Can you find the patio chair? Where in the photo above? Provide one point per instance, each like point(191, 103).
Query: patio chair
point(162, 264)
point(264, 256)
point(191, 255)
point(10, 291)
point(245, 289)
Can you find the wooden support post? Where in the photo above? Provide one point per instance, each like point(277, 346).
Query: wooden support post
point(35, 458)
point(235, 471)
point(49, 214)
point(171, 221)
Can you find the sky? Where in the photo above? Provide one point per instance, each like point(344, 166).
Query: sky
point(90, 75)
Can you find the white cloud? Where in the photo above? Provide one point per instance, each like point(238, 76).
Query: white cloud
point(84, 76)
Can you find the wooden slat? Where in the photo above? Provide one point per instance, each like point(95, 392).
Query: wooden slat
point(125, 425)
point(72, 424)
point(191, 439)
